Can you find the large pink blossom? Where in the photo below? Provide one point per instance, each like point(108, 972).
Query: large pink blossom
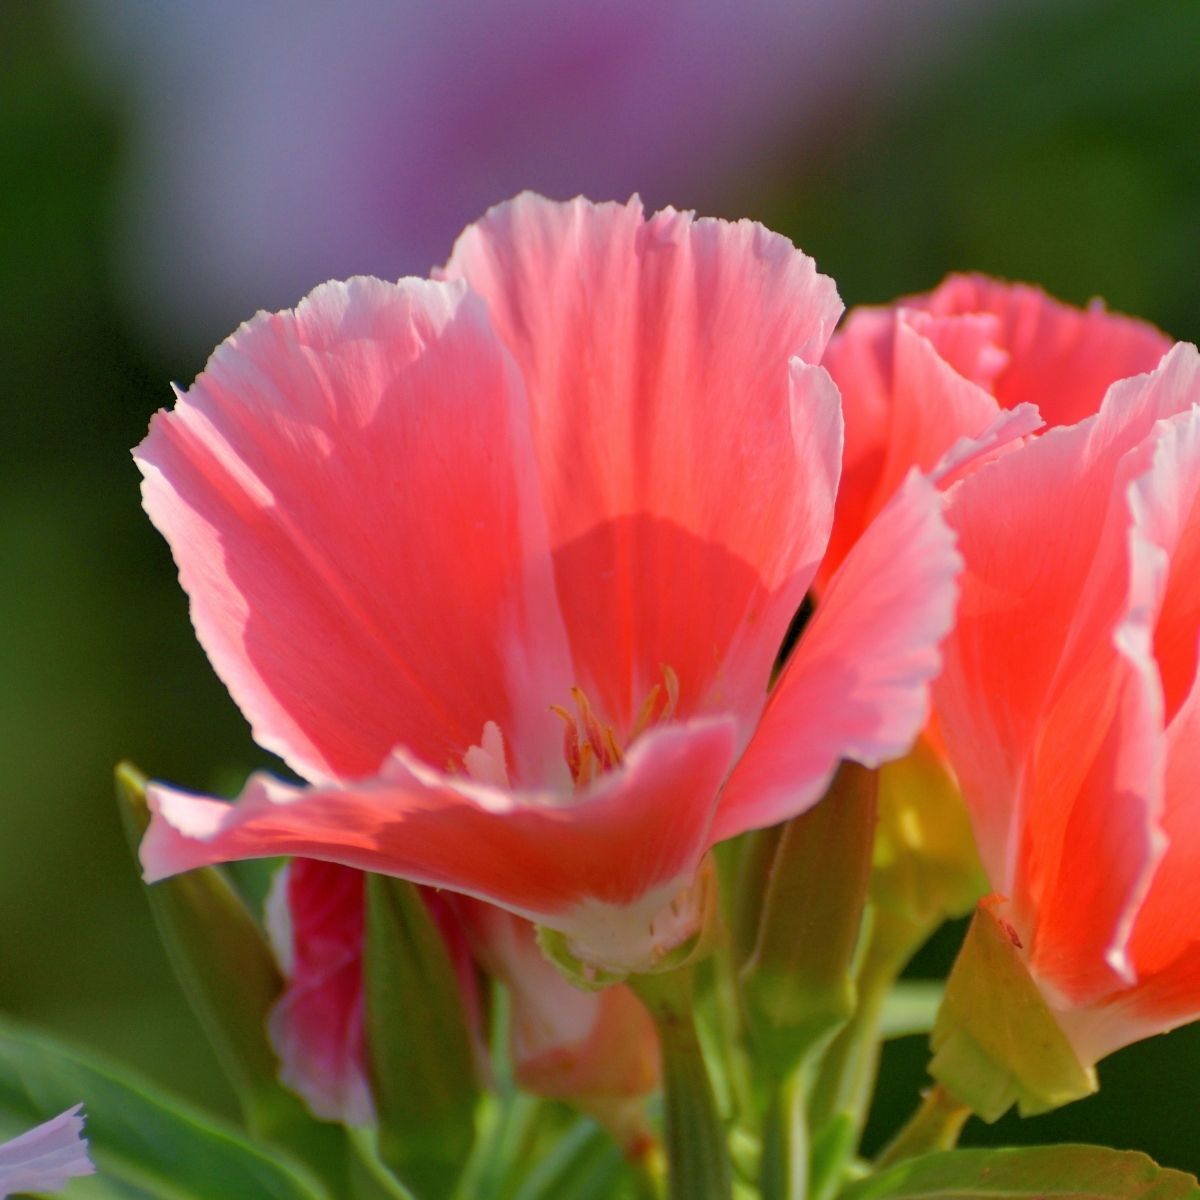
point(1070, 703)
point(501, 563)
point(47, 1157)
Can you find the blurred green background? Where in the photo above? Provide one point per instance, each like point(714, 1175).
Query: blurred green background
point(1052, 142)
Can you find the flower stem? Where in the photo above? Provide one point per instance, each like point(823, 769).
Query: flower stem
point(935, 1125)
point(783, 1172)
point(697, 1153)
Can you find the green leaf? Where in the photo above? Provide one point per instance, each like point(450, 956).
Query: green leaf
point(1039, 1172)
point(995, 1041)
point(584, 1164)
point(228, 973)
point(146, 1145)
point(422, 1066)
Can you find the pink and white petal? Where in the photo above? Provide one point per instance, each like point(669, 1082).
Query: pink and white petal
point(1029, 524)
point(1061, 358)
point(589, 866)
point(969, 342)
point(643, 592)
point(47, 1157)
point(656, 355)
point(929, 407)
point(859, 358)
point(566, 1043)
point(349, 490)
point(316, 1026)
point(1007, 432)
point(1090, 844)
point(1167, 511)
point(857, 685)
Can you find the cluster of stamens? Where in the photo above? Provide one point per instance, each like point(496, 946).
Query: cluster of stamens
point(591, 748)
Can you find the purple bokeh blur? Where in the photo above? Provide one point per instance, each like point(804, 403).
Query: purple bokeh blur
point(280, 144)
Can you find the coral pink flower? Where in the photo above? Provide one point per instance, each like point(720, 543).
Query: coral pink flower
point(47, 1157)
point(946, 377)
point(1070, 703)
point(584, 481)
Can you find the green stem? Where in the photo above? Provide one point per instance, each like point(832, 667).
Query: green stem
point(697, 1153)
point(935, 1125)
point(783, 1173)
point(845, 1080)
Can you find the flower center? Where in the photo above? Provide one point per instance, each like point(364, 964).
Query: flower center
point(591, 747)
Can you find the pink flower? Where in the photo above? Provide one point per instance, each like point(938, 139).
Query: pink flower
point(315, 918)
point(947, 377)
point(501, 563)
point(1070, 703)
point(47, 1157)
point(597, 1049)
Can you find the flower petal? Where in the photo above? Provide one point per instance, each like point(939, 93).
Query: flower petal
point(47, 1157)
point(655, 353)
point(316, 1026)
point(588, 867)
point(327, 465)
point(857, 685)
point(905, 406)
point(1060, 358)
point(1050, 699)
point(566, 1043)
point(1167, 510)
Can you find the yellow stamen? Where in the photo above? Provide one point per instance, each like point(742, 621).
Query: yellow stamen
point(590, 747)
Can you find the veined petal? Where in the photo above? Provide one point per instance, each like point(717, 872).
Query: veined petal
point(857, 685)
point(656, 357)
point(47, 1157)
point(906, 406)
point(566, 1043)
point(350, 493)
point(1050, 704)
point(597, 867)
point(1029, 525)
point(1166, 504)
point(1061, 358)
point(316, 1026)
point(1161, 953)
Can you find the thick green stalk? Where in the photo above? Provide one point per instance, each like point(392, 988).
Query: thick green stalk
point(935, 1125)
point(846, 1077)
point(783, 1172)
point(697, 1153)
point(797, 981)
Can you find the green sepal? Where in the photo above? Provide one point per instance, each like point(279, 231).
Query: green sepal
point(228, 973)
point(995, 1041)
point(422, 1066)
point(798, 981)
point(925, 868)
point(556, 948)
point(145, 1143)
point(1036, 1172)
point(557, 951)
